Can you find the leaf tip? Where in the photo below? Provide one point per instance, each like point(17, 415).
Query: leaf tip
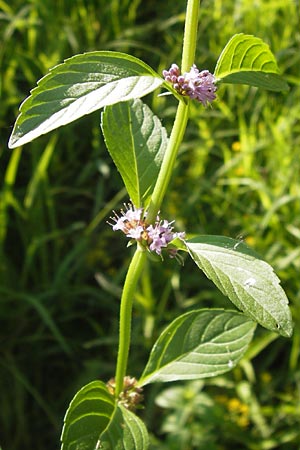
point(12, 142)
point(287, 331)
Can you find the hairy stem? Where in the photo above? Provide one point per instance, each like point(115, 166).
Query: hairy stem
point(181, 119)
point(190, 35)
point(138, 260)
point(167, 167)
point(132, 277)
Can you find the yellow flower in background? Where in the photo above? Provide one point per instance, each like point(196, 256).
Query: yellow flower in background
point(250, 240)
point(236, 146)
point(266, 377)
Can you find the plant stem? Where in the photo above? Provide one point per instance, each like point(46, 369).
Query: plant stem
point(168, 163)
point(138, 260)
point(181, 119)
point(190, 35)
point(132, 277)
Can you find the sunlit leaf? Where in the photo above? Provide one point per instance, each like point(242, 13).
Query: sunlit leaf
point(199, 344)
point(94, 421)
point(79, 86)
point(87, 417)
point(125, 432)
point(137, 142)
point(245, 278)
point(247, 59)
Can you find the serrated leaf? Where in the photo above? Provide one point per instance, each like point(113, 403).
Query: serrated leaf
point(93, 421)
point(248, 281)
point(247, 59)
point(79, 86)
point(136, 141)
point(125, 432)
point(87, 417)
point(199, 344)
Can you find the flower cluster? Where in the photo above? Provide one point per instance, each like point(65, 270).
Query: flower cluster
point(194, 84)
point(131, 395)
point(132, 222)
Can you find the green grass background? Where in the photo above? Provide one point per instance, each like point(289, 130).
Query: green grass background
point(62, 268)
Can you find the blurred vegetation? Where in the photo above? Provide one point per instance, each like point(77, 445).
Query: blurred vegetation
point(61, 267)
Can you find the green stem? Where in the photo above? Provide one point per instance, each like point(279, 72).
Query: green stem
point(190, 35)
point(132, 277)
point(138, 260)
point(181, 119)
point(168, 163)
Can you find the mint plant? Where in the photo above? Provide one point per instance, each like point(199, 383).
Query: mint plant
point(200, 343)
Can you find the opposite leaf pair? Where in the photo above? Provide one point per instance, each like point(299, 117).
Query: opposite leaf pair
point(88, 82)
point(199, 344)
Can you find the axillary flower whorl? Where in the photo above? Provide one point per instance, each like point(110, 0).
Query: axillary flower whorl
point(132, 222)
point(194, 84)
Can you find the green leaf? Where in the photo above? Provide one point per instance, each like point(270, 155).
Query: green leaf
point(93, 421)
point(248, 60)
point(136, 142)
point(199, 344)
point(125, 432)
point(87, 417)
point(248, 281)
point(79, 86)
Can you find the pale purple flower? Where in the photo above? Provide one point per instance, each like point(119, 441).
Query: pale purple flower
point(153, 232)
point(129, 219)
point(156, 245)
point(135, 233)
point(132, 222)
point(172, 74)
point(160, 234)
point(194, 84)
point(119, 225)
point(134, 214)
